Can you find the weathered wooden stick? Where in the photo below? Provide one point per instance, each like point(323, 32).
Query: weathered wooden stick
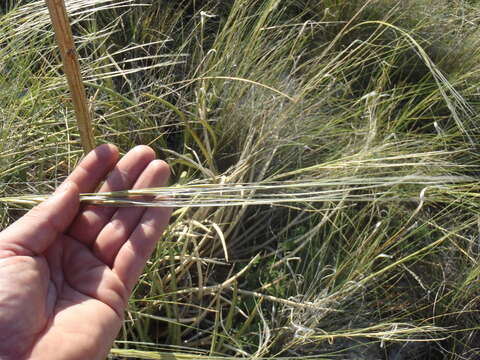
point(71, 67)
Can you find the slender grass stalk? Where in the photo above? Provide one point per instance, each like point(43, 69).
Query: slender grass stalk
point(71, 66)
point(272, 193)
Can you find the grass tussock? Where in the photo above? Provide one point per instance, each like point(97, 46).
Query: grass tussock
point(358, 120)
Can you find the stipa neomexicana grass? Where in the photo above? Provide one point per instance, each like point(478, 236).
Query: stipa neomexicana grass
point(345, 256)
point(276, 193)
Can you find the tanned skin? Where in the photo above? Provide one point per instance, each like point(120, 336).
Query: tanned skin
point(67, 271)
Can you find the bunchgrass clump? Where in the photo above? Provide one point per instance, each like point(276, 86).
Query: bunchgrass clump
point(324, 158)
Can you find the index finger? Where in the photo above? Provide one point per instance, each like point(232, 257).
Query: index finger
point(94, 168)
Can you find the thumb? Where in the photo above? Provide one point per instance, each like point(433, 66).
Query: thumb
point(39, 228)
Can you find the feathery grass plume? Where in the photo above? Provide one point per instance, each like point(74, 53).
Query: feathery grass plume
point(286, 192)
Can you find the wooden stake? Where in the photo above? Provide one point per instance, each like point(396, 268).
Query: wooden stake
point(71, 67)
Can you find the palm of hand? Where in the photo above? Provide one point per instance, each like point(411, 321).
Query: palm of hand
point(70, 293)
point(65, 275)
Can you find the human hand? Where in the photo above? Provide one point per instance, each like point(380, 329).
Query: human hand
point(66, 271)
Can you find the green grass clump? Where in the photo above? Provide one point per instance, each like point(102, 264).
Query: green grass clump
point(337, 95)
